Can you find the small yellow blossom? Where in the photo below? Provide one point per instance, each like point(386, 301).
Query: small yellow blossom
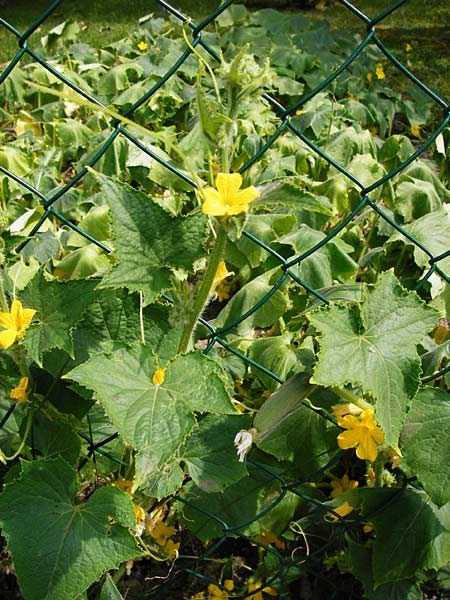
point(223, 291)
point(216, 593)
point(369, 77)
point(298, 112)
point(342, 510)
point(19, 393)
point(268, 538)
point(361, 434)
point(15, 322)
point(124, 484)
point(379, 72)
point(408, 47)
point(342, 485)
point(415, 130)
point(221, 274)
point(198, 596)
point(159, 376)
point(346, 409)
point(162, 533)
point(368, 528)
point(228, 199)
point(259, 594)
point(142, 46)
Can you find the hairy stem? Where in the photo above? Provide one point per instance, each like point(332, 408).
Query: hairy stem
point(202, 295)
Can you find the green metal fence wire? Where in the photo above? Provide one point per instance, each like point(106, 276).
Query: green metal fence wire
point(217, 336)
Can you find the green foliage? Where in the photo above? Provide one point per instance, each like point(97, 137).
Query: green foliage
point(330, 302)
point(61, 545)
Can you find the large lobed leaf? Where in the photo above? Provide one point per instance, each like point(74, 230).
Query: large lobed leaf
point(374, 345)
point(59, 306)
point(156, 419)
point(61, 546)
point(149, 243)
point(425, 442)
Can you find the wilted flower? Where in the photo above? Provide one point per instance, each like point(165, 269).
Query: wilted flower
point(243, 442)
point(346, 409)
point(221, 274)
point(19, 393)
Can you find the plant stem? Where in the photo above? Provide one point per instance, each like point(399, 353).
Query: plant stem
point(3, 302)
point(201, 298)
point(351, 397)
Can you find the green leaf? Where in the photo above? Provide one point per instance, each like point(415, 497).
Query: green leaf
point(326, 264)
point(276, 354)
point(59, 307)
point(425, 442)
point(246, 299)
point(285, 194)
point(155, 417)
point(289, 430)
point(361, 557)
point(407, 526)
point(208, 455)
point(237, 505)
point(374, 345)
point(53, 438)
point(61, 546)
point(433, 231)
point(149, 243)
point(109, 590)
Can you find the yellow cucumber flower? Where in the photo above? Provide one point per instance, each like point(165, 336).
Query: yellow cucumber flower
point(221, 274)
point(415, 130)
point(14, 322)
point(363, 434)
point(142, 46)
point(215, 593)
point(342, 510)
point(228, 199)
point(159, 376)
point(379, 72)
point(342, 485)
point(257, 585)
point(19, 393)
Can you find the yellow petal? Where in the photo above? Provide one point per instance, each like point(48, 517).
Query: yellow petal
point(16, 312)
point(228, 184)
point(6, 320)
point(19, 393)
point(221, 274)
point(367, 449)
point(348, 439)
point(213, 204)
point(26, 317)
point(245, 196)
point(7, 338)
point(348, 422)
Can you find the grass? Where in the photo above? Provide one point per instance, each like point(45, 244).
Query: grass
point(422, 23)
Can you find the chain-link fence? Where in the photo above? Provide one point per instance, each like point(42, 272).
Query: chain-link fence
point(218, 336)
